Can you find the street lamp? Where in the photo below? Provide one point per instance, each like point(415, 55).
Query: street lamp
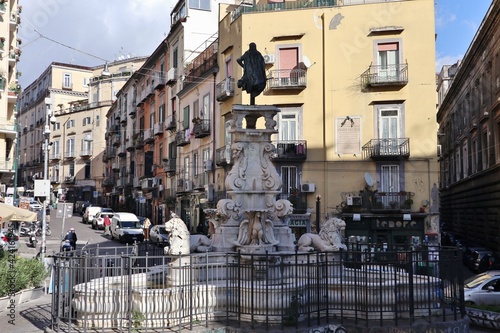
point(49, 117)
point(318, 202)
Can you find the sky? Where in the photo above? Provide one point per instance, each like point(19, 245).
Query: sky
point(91, 32)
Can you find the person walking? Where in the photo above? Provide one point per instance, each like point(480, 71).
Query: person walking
point(146, 226)
point(107, 223)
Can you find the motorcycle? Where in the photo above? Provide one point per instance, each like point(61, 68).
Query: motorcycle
point(32, 239)
point(39, 226)
point(25, 229)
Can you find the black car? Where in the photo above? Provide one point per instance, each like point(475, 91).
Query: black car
point(489, 262)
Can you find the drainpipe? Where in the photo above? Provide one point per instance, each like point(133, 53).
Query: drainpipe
point(216, 70)
point(16, 152)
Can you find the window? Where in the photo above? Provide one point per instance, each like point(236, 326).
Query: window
point(186, 168)
point(161, 114)
point(465, 159)
point(175, 56)
point(474, 155)
point(87, 170)
point(196, 108)
point(229, 66)
point(67, 81)
point(388, 60)
point(484, 149)
point(97, 120)
point(56, 126)
point(152, 119)
point(205, 110)
point(458, 162)
point(72, 169)
point(185, 119)
point(86, 121)
point(389, 178)
point(86, 145)
point(199, 4)
point(70, 147)
point(195, 164)
point(288, 124)
point(56, 149)
point(289, 178)
point(70, 124)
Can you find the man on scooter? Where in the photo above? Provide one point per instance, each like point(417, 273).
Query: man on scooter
point(71, 237)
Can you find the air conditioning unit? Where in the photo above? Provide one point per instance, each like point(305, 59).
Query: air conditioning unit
point(308, 188)
point(269, 58)
point(439, 150)
point(208, 165)
point(354, 201)
point(188, 186)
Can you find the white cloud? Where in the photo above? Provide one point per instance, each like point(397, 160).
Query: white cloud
point(442, 60)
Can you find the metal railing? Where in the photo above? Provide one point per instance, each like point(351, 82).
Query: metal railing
point(139, 288)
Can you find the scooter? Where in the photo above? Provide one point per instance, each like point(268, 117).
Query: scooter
point(32, 239)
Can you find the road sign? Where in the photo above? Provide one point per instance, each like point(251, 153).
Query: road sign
point(96, 194)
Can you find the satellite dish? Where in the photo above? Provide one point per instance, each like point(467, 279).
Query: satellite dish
point(368, 179)
point(306, 61)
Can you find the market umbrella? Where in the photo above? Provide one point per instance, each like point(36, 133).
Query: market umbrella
point(11, 213)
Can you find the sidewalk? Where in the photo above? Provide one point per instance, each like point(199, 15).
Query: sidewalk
point(30, 317)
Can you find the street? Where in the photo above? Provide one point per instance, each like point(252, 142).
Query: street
point(59, 228)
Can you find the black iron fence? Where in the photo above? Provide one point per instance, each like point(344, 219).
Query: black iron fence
point(138, 287)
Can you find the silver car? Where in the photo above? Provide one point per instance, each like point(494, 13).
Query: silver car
point(483, 289)
point(9, 241)
point(159, 235)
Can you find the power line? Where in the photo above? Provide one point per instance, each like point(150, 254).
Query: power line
point(69, 47)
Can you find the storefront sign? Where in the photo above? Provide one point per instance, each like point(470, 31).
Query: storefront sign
point(297, 223)
point(395, 224)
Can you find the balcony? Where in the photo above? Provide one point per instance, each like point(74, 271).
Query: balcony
point(171, 76)
point(69, 180)
point(115, 166)
point(201, 128)
point(170, 124)
point(287, 79)
point(139, 142)
point(123, 120)
point(392, 201)
point(116, 140)
point(292, 150)
point(224, 89)
point(224, 156)
point(158, 128)
point(122, 152)
point(160, 81)
point(130, 145)
point(170, 166)
point(55, 156)
point(148, 183)
point(120, 183)
point(148, 136)
point(109, 181)
point(388, 75)
point(182, 138)
point(137, 182)
point(86, 153)
point(387, 149)
point(55, 180)
point(70, 154)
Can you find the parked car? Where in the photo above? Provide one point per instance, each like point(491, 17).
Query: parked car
point(489, 262)
point(483, 289)
point(35, 205)
point(126, 228)
point(476, 258)
point(159, 235)
point(98, 221)
point(78, 207)
point(90, 213)
point(9, 241)
point(473, 255)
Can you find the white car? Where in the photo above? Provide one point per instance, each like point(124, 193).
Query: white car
point(483, 288)
point(98, 221)
point(35, 206)
point(126, 227)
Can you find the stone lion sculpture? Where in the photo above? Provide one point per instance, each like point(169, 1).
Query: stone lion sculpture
point(329, 238)
point(200, 243)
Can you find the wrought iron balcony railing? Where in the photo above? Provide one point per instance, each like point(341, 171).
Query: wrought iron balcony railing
point(384, 201)
point(224, 156)
point(295, 150)
point(201, 128)
point(183, 137)
point(387, 149)
point(388, 75)
point(224, 89)
point(287, 79)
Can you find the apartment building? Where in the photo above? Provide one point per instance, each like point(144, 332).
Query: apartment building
point(10, 14)
point(55, 90)
point(355, 83)
point(469, 138)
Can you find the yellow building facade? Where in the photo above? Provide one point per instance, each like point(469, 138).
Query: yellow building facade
point(356, 87)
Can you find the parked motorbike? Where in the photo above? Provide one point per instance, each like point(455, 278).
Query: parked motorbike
point(32, 239)
point(38, 229)
point(25, 229)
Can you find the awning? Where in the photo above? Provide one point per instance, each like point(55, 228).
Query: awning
point(11, 213)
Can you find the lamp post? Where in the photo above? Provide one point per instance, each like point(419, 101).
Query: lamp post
point(318, 202)
point(49, 118)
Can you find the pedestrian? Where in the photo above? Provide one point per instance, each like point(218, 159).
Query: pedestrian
point(107, 223)
point(147, 224)
point(71, 237)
